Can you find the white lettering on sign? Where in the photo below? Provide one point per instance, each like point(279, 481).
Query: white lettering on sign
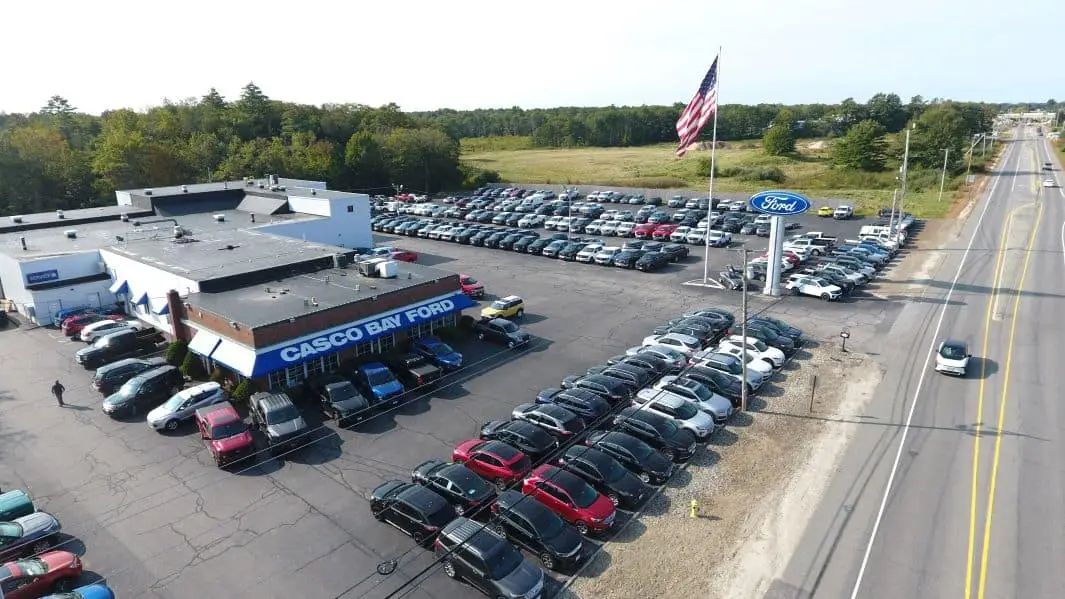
point(778, 203)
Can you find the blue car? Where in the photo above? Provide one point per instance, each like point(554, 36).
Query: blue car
point(438, 352)
point(98, 590)
point(378, 382)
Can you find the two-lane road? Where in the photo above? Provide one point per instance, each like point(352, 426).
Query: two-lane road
point(955, 487)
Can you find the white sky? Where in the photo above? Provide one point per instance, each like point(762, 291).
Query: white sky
point(425, 54)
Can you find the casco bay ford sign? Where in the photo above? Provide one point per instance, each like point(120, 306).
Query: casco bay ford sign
point(339, 338)
point(779, 203)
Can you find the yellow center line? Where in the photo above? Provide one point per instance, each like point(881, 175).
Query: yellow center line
point(996, 277)
point(1002, 408)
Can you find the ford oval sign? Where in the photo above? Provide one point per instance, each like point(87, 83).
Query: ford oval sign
point(779, 203)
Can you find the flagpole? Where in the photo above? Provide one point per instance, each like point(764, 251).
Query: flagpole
point(713, 164)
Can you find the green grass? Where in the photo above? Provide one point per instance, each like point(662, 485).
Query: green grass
point(742, 168)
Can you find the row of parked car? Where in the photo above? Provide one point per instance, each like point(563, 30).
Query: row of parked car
point(565, 462)
point(31, 567)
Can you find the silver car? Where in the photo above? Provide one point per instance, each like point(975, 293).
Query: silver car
point(183, 405)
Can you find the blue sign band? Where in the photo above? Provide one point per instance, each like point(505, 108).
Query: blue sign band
point(780, 203)
point(42, 277)
point(345, 336)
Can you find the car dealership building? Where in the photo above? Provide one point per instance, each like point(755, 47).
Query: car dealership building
point(261, 277)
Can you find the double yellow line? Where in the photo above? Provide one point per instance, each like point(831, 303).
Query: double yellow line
point(1000, 266)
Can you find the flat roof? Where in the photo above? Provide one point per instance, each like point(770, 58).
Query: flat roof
point(212, 249)
point(293, 187)
point(254, 306)
point(40, 220)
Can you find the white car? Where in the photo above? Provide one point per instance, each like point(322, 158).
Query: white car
point(594, 227)
point(759, 348)
point(1049, 183)
point(531, 221)
point(605, 256)
point(953, 357)
point(685, 413)
point(716, 405)
point(609, 215)
point(437, 232)
point(696, 236)
point(679, 235)
point(183, 405)
point(609, 228)
point(844, 212)
point(552, 223)
point(96, 330)
point(625, 229)
point(589, 252)
point(719, 238)
point(802, 252)
point(737, 206)
point(762, 219)
point(814, 286)
point(754, 361)
point(684, 344)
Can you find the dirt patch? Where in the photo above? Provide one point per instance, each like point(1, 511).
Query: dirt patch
point(761, 455)
point(817, 145)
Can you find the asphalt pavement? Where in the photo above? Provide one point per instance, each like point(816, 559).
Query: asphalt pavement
point(954, 487)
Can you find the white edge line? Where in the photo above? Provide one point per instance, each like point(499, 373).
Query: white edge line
point(920, 384)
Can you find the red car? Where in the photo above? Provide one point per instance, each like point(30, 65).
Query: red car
point(51, 572)
point(791, 258)
point(471, 287)
point(571, 498)
point(224, 432)
point(493, 460)
point(73, 325)
point(662, 232)
point(644, 231)
point(404, 255)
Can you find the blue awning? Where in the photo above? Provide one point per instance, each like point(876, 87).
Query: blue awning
point(165, 309)
point(142, 300)
point(120, 286)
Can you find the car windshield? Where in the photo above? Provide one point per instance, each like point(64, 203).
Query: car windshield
point(174, 402)
point(504, 561)
point(128, 390)
point(952, 352)
point(10, 530)
point(667, 428)
point(499, 305)
point(700, 392)
point(686, 411)
point(282, 414)
point(509, 327)
point(379, 377)
point(229, 429)
point(548, 524)
point(583, 495)
point(440, 349)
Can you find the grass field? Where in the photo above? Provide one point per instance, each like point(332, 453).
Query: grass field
point(742, 167)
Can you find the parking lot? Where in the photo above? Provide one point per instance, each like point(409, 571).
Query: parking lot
point(155, 518)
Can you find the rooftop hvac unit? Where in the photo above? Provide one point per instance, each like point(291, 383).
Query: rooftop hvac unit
point(220, 217)
point(389, 269)
point(17, 220)
point(368, 268)
point(59, 214)
point(147, 192)
point(340, 261)
point(178, 233)
point(274, 180)
point(249, 181)
point(124, 217)
point(184, 189)
point(70, 233)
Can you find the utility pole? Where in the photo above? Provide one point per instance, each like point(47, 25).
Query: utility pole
point(891, 218)
point(905, 167)
point(743, 332)
point(943, 175)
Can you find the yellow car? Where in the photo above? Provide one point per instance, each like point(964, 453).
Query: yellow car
point(506, 307)
point(824, 211)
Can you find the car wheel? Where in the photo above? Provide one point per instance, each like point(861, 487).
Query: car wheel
point(418, 536)
point(521, 312)
point(171, 425)
point(460, 510)
point(449, 569)
point(613, 497)
point(501, 484)
point(581, 526)
point(378, 514)
point(669, 453)
point(645, 477)
point(826, 296)
point(547, 561)
point(510, 344)
point(480, 336)
point(64, 585)
point(41, 546)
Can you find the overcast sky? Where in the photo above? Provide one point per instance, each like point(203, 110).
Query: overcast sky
point(424, 54)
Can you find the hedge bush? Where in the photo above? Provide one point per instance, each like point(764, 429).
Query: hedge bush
point(176, 351)
point(192, 367)
point(243, 391)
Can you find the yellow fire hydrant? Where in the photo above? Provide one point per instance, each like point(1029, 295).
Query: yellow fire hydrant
point(695, 509)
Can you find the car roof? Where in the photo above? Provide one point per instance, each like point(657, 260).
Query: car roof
point(474, 537)
point(271, 401)
point(501, 450)
point(510, 298)
point(219, 413)
point(559, 477)
point(422, 498)
point(591, 455)
point(955, 343)
point(154, 372)
point(668, 400)
point(198, 389)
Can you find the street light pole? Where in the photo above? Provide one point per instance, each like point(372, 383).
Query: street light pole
point(891, 218)
point(905, 167)
point(943, 175)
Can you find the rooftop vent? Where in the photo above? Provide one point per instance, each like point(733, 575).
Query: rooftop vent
point(314, 192)
point(178, 232)
point(147, 192)
point(249, 181)
point(124, 217)
point(71, 233)
point(273, 188)
point(220, 217)
point(274, 180)
point(59, 214)
point(16, 219)
point(314, 302)
point(262, 186)
point(340, 261)
point(184, 189)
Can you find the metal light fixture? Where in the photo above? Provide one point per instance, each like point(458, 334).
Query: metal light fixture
point(844, 334)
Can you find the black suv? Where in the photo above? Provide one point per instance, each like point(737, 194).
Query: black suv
point(341, 401)
point(652, 261)
point(627, 373)
point(613, 390)
point(640, 458)
point(144, 391)
point(586, 404)
point(530, 525)
point(530, 439)
point(676, 443)
point(606, 475)
point(459, 485)
point(112, 376)
point(484, 559)
point(414, 509)
point(278, 418)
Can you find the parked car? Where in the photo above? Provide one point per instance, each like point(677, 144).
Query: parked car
point(501, 330)
point(609, 388)
point(530, 525)
point(590, 406)
point(684, 413)
point(144, 391)
point(28, 535)
point(96, 590)
point(719, 408)
point(279, 420)
point(224, 432)
point(407, 255)
point(627, 258)
point(415, 370)
point(532, 440)
point(15, 504)
point(468, 551)
point(413, 509)
point(52, 571)
point(74, 325)
point(606, 475)
point(98, 329)
point(340, 400)
point(510, 306)
point(461, 487)
point(658, 431)
point(107, 379)
point(651, 261)
point(815, 286)
point(731, 366)
point(438, 352)
point(683, 344)
point(379, 384)
point(116, 346)
point(495, 461)
point(567, 495)
point(183, 405)
point(556, 420)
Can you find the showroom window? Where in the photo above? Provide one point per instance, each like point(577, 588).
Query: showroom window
point(277, 380)
point(314, 367)
point(423, 329)
point(386, 343)
point(332, 362)
point(294, 374)
point(363, 349)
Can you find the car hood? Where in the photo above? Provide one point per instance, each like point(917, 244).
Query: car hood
point(116, 399)
point(601, 508)
point(658, 463)
point(159, 413)
point(717, 404)
point(38, 523)
point(95, 591)
point(388, 388)
point(452, 359)
point(85, 351)
point(527, 580)
point(948, 362)
point(350, 405)
point(628, 485)
point(283, 429)
point(702, 421)
point(232, 443)
point(492, 426)
point(566, 542)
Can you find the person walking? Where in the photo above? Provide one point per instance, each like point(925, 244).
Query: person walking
point(57, 390)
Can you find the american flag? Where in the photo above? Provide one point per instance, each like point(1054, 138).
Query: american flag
point(700, 110)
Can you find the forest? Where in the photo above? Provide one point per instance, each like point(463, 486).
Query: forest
point(59, 157)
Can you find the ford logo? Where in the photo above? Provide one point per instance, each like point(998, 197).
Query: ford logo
point(779, 203)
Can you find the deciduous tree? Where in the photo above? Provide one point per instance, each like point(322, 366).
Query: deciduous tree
point(862, 147)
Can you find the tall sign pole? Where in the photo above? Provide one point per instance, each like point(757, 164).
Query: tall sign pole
point(713, 167)
point(743, 331)
point(777, 204)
